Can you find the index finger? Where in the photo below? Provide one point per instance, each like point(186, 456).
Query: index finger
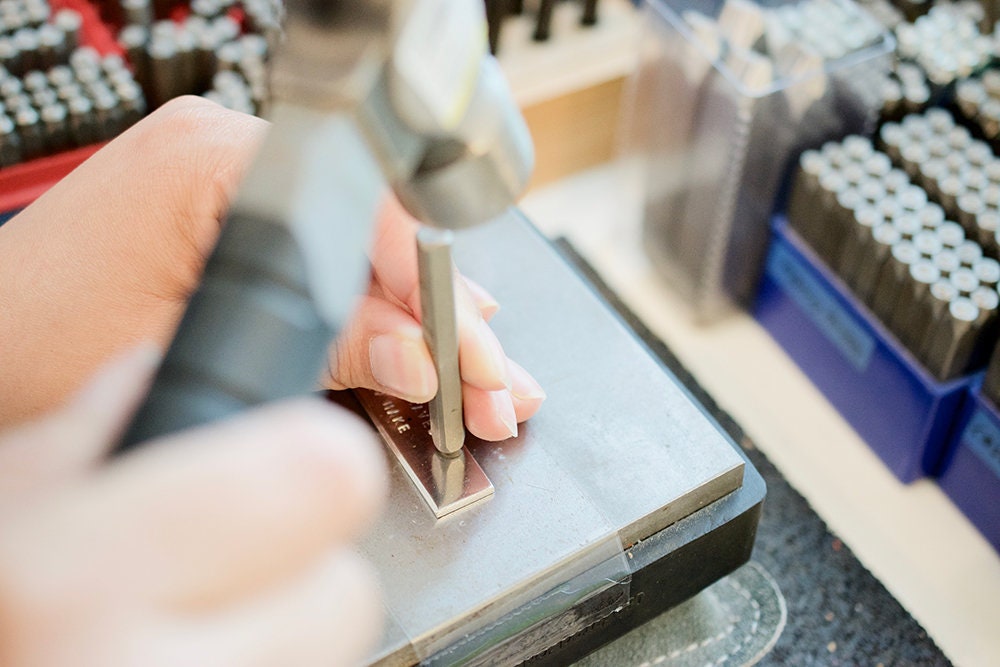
point(394, 261)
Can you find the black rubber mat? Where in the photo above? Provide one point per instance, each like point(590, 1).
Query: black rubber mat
point(838, 613)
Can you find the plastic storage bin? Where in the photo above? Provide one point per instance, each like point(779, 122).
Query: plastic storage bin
point(21, 184)
point(971, 474)
point(716, 120)
point(895, 405)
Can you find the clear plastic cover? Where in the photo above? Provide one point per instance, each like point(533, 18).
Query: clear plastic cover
point(726, 93)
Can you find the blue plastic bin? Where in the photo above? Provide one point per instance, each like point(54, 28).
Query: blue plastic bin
point(895, 405)
point(971, 473)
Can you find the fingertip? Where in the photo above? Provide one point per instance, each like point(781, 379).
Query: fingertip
point(486, 303)
point(482, 359)
point(525, 409)
point(488, 310)
point(523, 386)
point(489, 415)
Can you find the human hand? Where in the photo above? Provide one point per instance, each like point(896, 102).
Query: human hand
point(226, 545)
point(383, 347)
point(110, 255)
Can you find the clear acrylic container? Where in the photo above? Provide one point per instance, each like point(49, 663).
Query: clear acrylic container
point(726, 94)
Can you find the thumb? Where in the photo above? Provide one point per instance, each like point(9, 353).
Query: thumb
point(383, 349)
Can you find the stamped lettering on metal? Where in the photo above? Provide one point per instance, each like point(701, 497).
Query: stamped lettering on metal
point(446, 483)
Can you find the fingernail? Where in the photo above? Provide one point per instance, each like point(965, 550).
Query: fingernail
point(485, 302)
point(497, 358)
point(523, 386)
point(503, 408)
point(488, 310)
point(400, 364)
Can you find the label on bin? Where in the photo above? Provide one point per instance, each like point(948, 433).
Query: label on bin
point(983, 437)
point(815, 300)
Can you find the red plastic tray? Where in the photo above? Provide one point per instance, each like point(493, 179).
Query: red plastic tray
point(22, 183)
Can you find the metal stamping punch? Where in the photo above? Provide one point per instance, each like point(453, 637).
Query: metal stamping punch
point(440, 324)
point(429, 439)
